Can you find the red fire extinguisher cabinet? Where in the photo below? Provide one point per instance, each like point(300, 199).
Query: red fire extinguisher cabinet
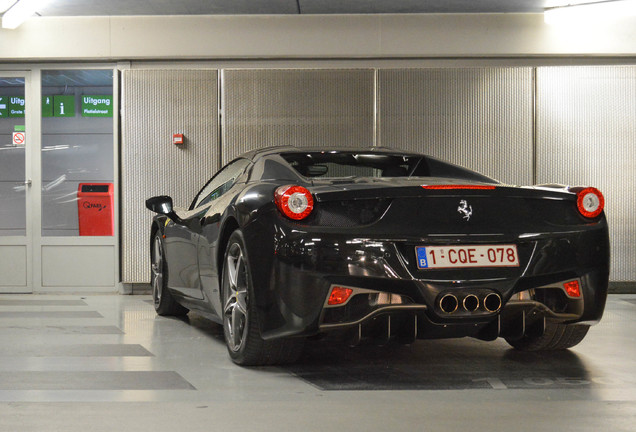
point(95, 209)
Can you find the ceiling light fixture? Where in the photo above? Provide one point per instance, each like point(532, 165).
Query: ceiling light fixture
point(6, 4)
point(590, 12)
point(20, 12)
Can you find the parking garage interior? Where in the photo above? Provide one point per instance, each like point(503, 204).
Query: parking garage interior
point(92, 98)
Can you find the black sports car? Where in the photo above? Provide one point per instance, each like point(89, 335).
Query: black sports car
point(378, 244)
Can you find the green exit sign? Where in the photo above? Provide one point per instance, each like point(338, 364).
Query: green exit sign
point(47, 106)
point(97, 106)
point(16, 106)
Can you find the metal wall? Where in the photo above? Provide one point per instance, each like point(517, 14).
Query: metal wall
point(478, 118)
point(577, 122)
point(586, 134)
point(301, 107)
point(156, 104)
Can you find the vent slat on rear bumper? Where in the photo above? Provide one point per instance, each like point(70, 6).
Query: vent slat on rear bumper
point(344, 214)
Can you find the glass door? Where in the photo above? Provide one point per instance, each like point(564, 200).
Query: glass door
point(15, 184)
point(58, 180)
point(75, 241)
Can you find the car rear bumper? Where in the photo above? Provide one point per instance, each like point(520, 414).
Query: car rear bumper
point(293, 285)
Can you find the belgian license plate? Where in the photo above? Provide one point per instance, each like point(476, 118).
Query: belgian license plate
point(429, 257)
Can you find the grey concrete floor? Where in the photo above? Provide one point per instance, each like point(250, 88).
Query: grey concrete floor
point(107, 362)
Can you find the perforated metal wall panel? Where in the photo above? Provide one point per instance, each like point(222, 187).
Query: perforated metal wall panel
point(156, 104)
point(479, 118)
point(586, 135)
point(297, 107)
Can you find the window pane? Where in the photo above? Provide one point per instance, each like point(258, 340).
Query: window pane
point(222, 182)
point(12, 162)
point(77, 152)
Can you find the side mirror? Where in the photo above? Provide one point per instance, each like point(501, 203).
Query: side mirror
point(160, 204)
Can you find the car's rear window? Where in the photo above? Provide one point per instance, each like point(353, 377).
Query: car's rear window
point(354, 164)
point(344, 164)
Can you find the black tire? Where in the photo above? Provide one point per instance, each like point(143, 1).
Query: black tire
point(240, 314)
point(164, 302)
point(556, 337)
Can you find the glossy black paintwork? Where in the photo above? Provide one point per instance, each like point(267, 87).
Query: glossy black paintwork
point(294, 263)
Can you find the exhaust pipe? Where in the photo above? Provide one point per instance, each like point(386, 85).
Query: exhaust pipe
point(471, 303)
point(448, 304)
point(492, 302)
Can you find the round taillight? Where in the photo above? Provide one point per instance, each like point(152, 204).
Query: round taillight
point(590, 202)
point(295, 202)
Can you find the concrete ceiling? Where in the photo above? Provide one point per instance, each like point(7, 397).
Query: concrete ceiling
point(242, 7)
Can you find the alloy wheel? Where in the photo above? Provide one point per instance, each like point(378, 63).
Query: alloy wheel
point(235, 303)
point(157, 271)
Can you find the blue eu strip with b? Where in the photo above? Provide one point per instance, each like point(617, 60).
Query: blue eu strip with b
point(421, 258)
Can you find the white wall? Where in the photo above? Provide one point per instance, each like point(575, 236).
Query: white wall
point(310, 36)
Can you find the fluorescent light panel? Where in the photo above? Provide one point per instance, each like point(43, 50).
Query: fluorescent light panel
point(6, 4)
point(590, 12)
point(20, 12)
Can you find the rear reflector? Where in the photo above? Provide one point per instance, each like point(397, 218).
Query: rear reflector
point(444, 187)
point(339, 295)
point(572, 288)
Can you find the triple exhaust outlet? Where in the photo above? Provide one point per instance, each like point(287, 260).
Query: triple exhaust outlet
point(471, 303)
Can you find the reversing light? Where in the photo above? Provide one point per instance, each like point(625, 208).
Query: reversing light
point(384, 298)
point(339, 295)
point(572, 288)
point(295, 202)
point(589, 201)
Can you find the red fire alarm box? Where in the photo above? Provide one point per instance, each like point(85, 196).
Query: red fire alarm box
point(95, 209)
point(177, 139)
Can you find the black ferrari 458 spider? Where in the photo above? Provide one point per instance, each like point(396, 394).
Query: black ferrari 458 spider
point(284, 243)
